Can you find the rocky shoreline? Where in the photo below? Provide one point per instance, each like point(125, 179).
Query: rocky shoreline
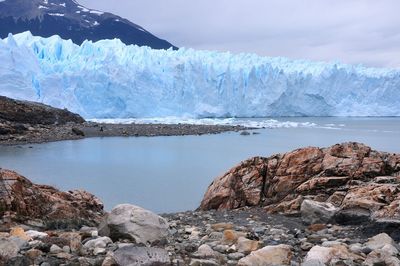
point(23, 122)
point(350, 180)
point(254, 223)
point(204, 238)
point(72, 131)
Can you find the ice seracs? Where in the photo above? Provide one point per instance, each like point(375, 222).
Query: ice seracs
point(108, 79)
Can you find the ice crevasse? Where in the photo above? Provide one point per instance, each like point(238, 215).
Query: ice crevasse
point(108, 79)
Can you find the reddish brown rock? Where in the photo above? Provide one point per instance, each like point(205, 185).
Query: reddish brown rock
point(241, 186)
point(316, 227)
point(22, 201)
point(349, 175)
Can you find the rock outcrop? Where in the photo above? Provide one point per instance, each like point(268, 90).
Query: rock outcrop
point(23, 122)
point(25, 112)
point(43, 206)
point(29, 122)
point(362, 183)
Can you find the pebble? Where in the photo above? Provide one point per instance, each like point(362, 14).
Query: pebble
point(245, 245)
point(34, 253)
point(19, 232)
point(36, 234)
point(55, 249)
point(306, 246)
point(98, 251)
point(205, 251)
point(235, 256)
point(202, 262)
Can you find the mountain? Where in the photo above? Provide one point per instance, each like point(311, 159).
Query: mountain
point(70, 20)
point(108, 79)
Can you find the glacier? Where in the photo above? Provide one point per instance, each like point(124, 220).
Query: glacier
point(108, 79)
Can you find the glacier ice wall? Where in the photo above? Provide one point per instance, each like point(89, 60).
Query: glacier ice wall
point(108, 79)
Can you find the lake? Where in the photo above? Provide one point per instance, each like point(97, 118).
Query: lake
point(168, 174)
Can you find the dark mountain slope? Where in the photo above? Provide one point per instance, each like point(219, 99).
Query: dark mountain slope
point(70, 20)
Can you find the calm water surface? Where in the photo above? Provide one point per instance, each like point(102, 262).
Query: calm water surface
point(167, 174)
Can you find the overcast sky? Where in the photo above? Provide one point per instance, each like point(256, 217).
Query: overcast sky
point(350, 31)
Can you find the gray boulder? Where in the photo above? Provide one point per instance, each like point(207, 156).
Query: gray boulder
point(317, 212)
point(100, 242)
point(8, 249)
point(131, 222)
point(144, 256)
point(379, 241)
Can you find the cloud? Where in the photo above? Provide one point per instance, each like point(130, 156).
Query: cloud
point(357, 31)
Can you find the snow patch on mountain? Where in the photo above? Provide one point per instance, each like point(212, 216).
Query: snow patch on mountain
point(56, 14)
